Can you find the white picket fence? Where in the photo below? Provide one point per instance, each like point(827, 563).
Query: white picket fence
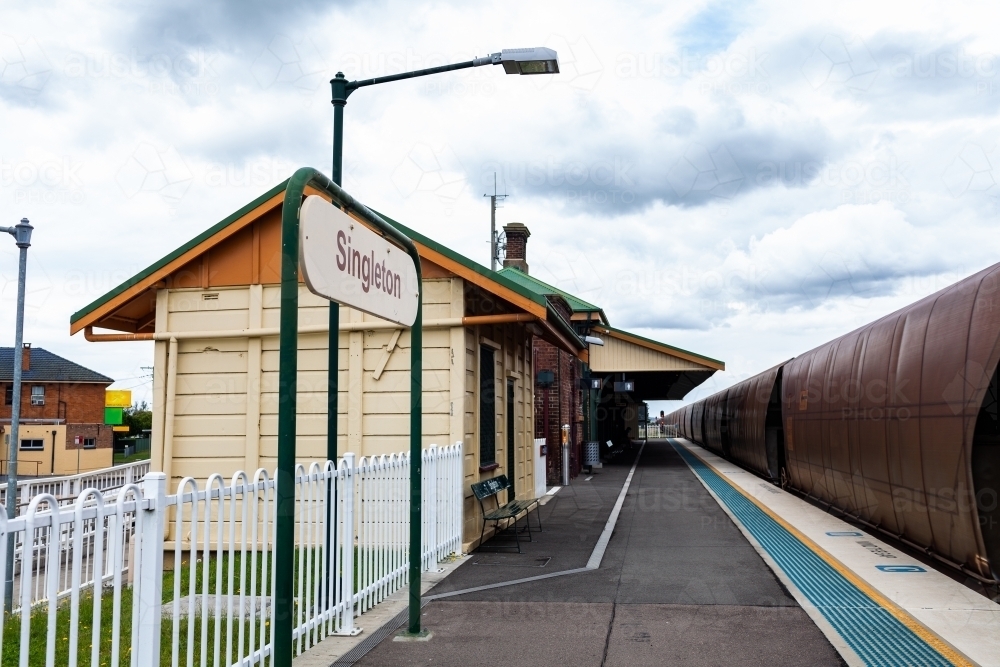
point(657, 431)
point(92, 582)
point(67, 488)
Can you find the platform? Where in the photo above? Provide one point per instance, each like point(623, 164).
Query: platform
point(677, 584)
point(705, 564)
point(874, 603)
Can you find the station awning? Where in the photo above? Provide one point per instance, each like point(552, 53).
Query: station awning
point(660, 372)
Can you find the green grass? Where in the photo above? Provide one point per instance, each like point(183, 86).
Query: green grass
point(120, 459)
point(39, 620)
point(39, 632)
point(39, 617)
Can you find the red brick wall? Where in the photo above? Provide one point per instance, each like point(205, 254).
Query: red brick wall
point(76, 403)
point(103, 434)
point(565, 407)
point(80, 405)
point(516, 246)
point(561, 306)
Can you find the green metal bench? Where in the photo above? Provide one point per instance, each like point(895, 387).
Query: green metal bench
point(489, 488)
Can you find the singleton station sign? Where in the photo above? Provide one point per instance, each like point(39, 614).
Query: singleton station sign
point(344, 261)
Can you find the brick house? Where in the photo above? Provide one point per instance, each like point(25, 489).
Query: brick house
point(62, 404)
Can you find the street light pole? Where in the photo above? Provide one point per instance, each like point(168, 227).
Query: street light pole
point(514, 61)
point(22, 236)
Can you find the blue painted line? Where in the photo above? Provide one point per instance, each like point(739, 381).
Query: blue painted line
point(877, 636)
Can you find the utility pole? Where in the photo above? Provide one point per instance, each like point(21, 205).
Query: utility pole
point(494, 257)
point(493, 227)
point(22, 237)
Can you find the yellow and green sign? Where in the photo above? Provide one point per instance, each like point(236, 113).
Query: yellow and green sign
point(115, 402)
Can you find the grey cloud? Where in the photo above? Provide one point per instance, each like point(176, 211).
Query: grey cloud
point(895, 75)
point(227, 25)
point(921, 80)
point(651, 320)
point(714, 165)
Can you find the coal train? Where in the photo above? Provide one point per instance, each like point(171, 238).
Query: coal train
point(895, 425)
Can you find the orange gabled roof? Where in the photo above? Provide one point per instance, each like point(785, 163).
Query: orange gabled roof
point(131, 305)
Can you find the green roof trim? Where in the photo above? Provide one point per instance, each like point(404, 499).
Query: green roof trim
point(495, 276)
point(155, 266)
point(576, 304)
point(656, 342)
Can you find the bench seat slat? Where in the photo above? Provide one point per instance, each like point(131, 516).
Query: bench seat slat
point(509, 510)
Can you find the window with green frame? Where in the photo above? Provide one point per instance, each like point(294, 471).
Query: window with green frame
point(487, 407)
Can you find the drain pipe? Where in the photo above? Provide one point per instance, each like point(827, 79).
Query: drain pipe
point(565, 454)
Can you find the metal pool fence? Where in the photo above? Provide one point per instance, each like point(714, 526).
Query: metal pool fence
point(91, 586)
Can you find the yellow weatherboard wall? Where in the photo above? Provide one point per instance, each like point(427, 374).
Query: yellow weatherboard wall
point(216, 398)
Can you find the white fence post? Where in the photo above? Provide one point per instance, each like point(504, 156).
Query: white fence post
point(149, 597)
point(347, 549)
point(431, 508)
point(457, 481)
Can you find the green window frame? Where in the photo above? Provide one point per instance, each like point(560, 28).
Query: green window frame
point(487, 407)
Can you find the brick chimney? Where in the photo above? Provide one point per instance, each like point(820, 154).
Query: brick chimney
point(517, 246)
point(26, 357)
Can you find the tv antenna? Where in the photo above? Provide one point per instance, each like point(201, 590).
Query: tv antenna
point(497, 244)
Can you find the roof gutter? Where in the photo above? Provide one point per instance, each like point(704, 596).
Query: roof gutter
point(443, 323)
point(88, 333)
point(562, 332)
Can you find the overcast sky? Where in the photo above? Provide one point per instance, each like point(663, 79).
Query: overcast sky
point(743, 180)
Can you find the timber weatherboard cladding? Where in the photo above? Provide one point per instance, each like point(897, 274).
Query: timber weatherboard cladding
point(225, 407)
point(618, 355)
point(512, 361)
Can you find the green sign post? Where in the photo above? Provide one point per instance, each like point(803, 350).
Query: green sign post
point(284, 548)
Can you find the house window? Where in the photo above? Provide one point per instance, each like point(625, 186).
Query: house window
point(8, 395)
point(487, 408)
point(90, 443)
point(35, 445)
point(37, 394)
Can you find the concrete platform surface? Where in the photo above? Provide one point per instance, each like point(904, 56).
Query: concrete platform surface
point(679, 584)
point(940, 609)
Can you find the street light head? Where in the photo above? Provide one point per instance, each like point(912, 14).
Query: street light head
point(537, 60)
point(593, 340)
point(22, 233)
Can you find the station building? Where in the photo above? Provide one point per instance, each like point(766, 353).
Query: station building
point(212, 308)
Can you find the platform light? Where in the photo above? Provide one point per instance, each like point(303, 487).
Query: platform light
point(536, 60)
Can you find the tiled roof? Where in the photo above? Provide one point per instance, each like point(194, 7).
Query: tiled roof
point(48, 367)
